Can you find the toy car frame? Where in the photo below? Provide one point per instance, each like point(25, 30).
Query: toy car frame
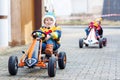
point(92, 39)
point(41, 59)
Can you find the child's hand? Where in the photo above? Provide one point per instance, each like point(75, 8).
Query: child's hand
point(89, 29)
point(48, 37)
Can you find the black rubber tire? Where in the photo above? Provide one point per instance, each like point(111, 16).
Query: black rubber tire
point(52, 65)
point(81, 43)
point(13, 65)
point(62, 59)
point(86, 45)
point(104, 41)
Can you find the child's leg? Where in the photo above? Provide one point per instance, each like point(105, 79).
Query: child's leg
point(87, 31)
point(49, 47)
point(55, 45)
point(43, 46)
point(100, 32)
point(97, 34)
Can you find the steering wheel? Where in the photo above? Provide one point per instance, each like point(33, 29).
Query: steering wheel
point(38, 34)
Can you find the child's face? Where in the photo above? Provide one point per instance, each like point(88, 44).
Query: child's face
point(98, 22)
point(48, 22)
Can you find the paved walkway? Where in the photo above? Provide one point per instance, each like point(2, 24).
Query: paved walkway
point(90, 63)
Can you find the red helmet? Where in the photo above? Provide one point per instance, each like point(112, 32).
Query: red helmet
point(91, 25)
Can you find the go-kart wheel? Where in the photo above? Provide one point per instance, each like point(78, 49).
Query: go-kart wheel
point(13, 65)
point(104, 41)
point(100, 43)
point(81, 43)
point(62, 60)
point(52, 66)
point(86, 45)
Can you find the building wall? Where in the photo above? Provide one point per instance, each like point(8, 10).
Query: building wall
point(15, 22)
point(22, 21)
point(111, 7)
point(23, 16)
point(27, 20)
point(4, 17)
point(38, 14)
point(87, 6)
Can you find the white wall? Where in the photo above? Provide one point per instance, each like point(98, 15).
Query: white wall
point(4, 23)
point(62, 7)
point(67, 7)
point(87, 6)
point(96, 6)
point(79, 6)
point(9, 20)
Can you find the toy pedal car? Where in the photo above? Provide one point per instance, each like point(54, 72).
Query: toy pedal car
point(92, 39)
point(41, 59)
